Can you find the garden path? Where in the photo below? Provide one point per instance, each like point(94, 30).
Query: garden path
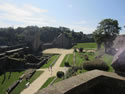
point(35, 86)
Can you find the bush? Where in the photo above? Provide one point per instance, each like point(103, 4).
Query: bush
point(60, 74)
point(80, 49)
point(86, 57)
point(72, 71)
point(67, 64)
point(96, 64)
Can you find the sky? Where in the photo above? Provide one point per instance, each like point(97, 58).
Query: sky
point(79, 15)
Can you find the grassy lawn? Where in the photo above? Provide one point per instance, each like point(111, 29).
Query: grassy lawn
point(48, 82)
point(21, 86)
point(67, 58)
point(50, 61)
point(86, 45)
point(58, 79)
point(8, 81)
point(80, 57)
point(108, 59)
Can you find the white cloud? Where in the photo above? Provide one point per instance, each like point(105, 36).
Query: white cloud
point(24, 15)
point(84, 29)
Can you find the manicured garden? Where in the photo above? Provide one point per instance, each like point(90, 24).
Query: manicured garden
point(51, 61)
point(84, 57)
point(22, 86)
point(10, 79)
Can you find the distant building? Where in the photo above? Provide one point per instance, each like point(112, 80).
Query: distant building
point(62, 41)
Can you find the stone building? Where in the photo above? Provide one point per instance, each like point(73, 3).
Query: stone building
point(119, 41)
point(118, 62)
point(62, 41)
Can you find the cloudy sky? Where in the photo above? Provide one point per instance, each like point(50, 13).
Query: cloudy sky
point(80, 15)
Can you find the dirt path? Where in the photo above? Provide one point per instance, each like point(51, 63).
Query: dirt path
point(35, 86)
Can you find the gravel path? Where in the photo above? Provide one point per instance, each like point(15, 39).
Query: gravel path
point(35, 86)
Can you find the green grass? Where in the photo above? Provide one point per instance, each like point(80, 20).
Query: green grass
point(47, 82)
point(67, 58)
point(50, 61)
point(108, 59)
point(8, 82)
point(86, 45)
point(21, 86)
point(58, 79)
point(80, 57)
point(80, 71)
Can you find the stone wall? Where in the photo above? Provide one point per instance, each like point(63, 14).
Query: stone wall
point(92, 82)
point(119, 41)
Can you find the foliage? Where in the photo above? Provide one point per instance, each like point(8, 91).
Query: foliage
point(96, 64)
point(60, 74)
point(86, 57)
point(106, 32)
point(80, 49)
point(108, 59)
point(72, 71)
point(11, 36)
point(67, 64)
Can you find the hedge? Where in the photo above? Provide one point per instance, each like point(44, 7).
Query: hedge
point(96, 64)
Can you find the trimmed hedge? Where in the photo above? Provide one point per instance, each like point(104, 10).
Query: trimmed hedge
point(96, 64)
point(67, 64)
point(60, 74)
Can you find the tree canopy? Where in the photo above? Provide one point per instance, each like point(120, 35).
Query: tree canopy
point(10, 36)
point(106, 32)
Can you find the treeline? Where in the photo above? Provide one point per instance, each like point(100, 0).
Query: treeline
point(11, 36)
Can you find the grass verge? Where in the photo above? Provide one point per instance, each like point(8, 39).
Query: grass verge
point(21, 86)
point(9, 80)
point(50, 61)
point(67, 58)
point(47, 82)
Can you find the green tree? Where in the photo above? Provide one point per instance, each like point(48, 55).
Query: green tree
point(106, 32)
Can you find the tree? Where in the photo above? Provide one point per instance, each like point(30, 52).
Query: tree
point(106, 32)
point(60, 74)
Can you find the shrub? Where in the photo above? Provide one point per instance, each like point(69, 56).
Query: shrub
point(80, 49)
point(60, 74)
point(96, 64)
point(72, 71)
point(86, 57)
point(67, 64)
